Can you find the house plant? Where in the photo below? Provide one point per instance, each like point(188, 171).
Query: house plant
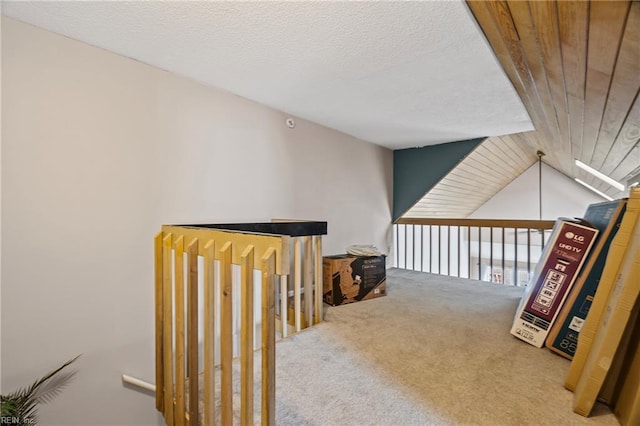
point(21, 407)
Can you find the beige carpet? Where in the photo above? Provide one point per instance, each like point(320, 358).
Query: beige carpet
point(435, 351)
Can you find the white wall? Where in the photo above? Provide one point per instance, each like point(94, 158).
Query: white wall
point(561, 197)
point(98, 152)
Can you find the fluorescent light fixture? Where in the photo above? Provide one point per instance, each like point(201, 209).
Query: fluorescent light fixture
point(617, 185)
point(633, 181)
point(586, 185)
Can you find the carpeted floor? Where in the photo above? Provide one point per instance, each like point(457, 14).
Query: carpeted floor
point(435, 351)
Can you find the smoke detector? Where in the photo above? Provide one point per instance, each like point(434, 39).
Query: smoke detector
point(291, 123)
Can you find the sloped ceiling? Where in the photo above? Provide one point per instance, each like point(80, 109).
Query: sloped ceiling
point(576, 66)
point(407, 74)
point(478, 177)
point(417, 170)
point(398, 74)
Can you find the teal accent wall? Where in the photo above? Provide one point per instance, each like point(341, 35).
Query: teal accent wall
point(417, 170)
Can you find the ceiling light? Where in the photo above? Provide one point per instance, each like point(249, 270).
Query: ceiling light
point(586, 185)
point(633, 181)
point(617, 185)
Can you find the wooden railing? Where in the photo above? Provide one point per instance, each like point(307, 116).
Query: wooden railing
point(500, 251)
point(205, 303)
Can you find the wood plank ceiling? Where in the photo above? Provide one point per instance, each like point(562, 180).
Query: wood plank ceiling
point(480, 175)
point(576, 67)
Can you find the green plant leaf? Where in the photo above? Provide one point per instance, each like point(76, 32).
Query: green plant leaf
point(23, 403)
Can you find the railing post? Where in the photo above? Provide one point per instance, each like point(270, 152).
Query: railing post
point(421, 248)
point(307, 274)
point(268, 339)
point(192, 333)
point(226, 334)
point(297, 279)
point(413, 249)
point(209, 334)
point(284, 305)
point(491, 253)
point(318, 287)
point(180, 339)
point(469, 251)
point(515, 263)
point(480, 253)
point(439, 249)
point(159, 309)
point(503, 257)
point(430, 248)
point(528, 253)
point(167, 328)
point(246, 329)
point(448, 249)
point(405, 247)
point(459, 245)
point(396, 229)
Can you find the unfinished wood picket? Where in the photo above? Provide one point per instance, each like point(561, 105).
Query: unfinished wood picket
point(204, 281)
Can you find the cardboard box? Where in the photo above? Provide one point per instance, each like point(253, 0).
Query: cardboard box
point(615, 319)
point(611, 269)
point(560, 263)
point(563, 337)
point(627, 406)
point(349, 279)
point(619, 366)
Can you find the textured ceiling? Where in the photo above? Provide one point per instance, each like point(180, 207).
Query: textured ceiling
point(399, 74)
point(576, 65)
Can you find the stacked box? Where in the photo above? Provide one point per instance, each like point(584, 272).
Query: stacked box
point(560, 263)
point(563, 337)
point(627, 406)
point(612, 384)
point(349, 279)
point(616, 317)
point(610, 273)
